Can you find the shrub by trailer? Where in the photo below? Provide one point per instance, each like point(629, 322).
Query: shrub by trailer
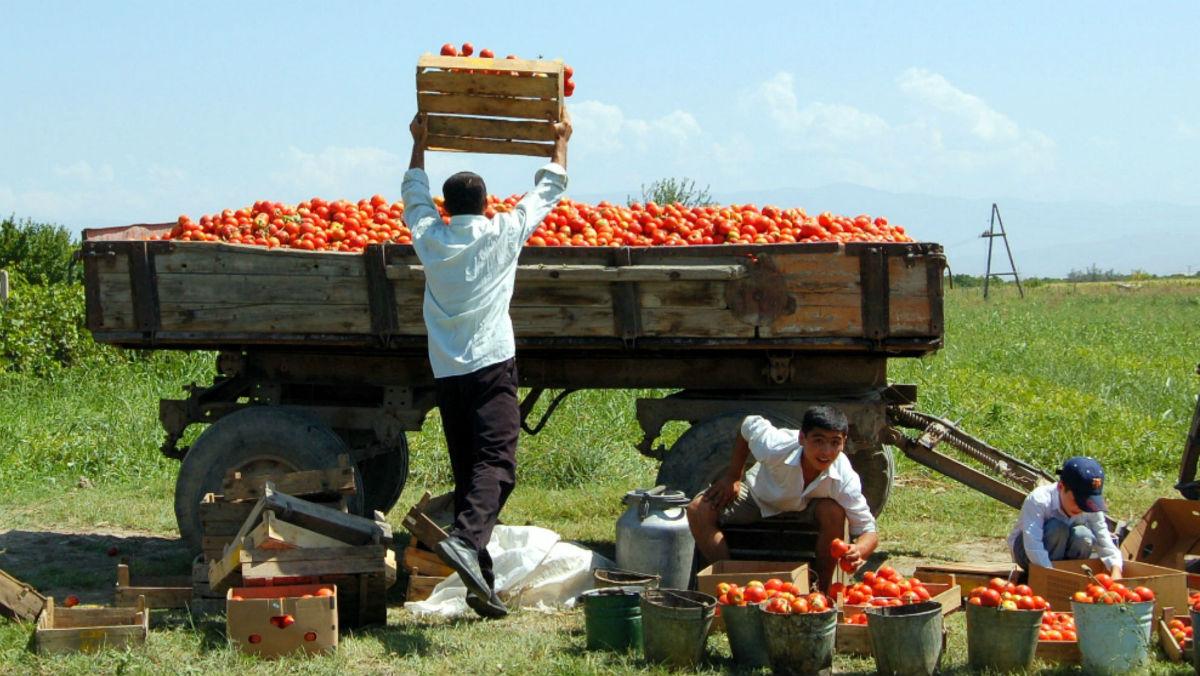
point(323, 353)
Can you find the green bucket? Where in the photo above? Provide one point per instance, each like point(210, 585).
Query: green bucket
point(1001, 640)
point(1113, 639)
point(800, 644)
point(612, 619)
point(744, 626)
point(907, 640)
point(675, 626)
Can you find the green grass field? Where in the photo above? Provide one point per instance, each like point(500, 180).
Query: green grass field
point(1090, 369)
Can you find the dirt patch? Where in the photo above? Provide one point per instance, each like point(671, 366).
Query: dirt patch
point(61, 563)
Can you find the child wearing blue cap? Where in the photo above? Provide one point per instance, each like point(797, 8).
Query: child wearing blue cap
point(1065, 520)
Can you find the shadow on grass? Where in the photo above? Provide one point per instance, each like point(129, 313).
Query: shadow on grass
point(85, 564)
point(401, 640)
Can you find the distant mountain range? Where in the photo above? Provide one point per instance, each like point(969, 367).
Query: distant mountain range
point(1048, 239)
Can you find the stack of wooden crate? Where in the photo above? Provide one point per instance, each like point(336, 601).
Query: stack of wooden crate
point(506, 107)
point(425, 569)
point(287, 541)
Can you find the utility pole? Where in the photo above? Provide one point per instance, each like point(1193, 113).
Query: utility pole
point(991, 236)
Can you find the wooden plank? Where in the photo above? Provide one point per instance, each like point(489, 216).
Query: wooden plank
point(477, 127)
point(332, 481)
point(459, 104)
point(420, 587)
point(818, 321)
point(486, 146)
point(339, 566)
point(459, 63)
point(343, 552)
point(553, 294)
point(213, 258)
point(599, 273)
point(271, 533)
point(269, 318)
point(562, 321)
point(187, 288)
point(420, 525)
point(487, 84)
point(168, 593)
point(19, 600)
point(682, 294)
point(909, 317)
point(693, 322)
point(426, 562)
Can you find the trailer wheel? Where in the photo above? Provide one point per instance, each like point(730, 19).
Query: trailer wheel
point(875, 469)
point(383, 478)
point(253, 439)
point(701, 454)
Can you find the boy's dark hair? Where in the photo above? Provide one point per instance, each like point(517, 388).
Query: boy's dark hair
point(465, 193)
point(826, 418)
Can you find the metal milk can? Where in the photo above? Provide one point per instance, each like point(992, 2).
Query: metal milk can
point(653, 536)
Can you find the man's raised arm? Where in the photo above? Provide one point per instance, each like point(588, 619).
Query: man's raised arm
point(420, 134)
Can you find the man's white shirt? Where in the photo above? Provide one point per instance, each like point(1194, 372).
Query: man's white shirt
point(777, 480)
point(470, 270)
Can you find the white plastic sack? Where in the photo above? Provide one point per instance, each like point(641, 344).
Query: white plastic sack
point(534, 569)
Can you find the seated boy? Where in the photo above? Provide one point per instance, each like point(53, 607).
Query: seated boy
point(803, 471)
point(1066, 520)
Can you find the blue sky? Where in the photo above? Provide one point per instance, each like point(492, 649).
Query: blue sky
point(115, 113)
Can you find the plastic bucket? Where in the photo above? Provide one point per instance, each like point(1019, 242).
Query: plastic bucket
point(747, 642)
point(1001, 640)
point(612, 618)
point(1113, 639)
point(615, 577)
point(675, 626)
point(800, 644)
point(906, 639)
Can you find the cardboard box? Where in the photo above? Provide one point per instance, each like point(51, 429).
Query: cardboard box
point(852, 639)
point(1167, 533)
point(966, 575)
point(742, 572)
point(89, 630)
point(273, 621)
point(1057, 584)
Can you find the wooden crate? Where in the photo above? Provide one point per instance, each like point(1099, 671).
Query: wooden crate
point(420, 587)
point(852, 639)
point(309, 484)
point(173, 592)
point(69, 630)
point(1059, 652)
point(428, 563)
point(1174, 651)
point(497, 106)
point(966, 575)
point(221, 519)
point(19, 601)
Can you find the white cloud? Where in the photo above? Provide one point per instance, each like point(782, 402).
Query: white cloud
point(84, 172)
point(817, 124)
point(604, 128)
point(936, 92)
point(1186, 130)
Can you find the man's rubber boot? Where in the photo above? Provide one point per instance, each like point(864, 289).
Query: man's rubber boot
point(456, 553)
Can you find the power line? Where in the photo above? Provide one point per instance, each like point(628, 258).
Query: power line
point(991, 236)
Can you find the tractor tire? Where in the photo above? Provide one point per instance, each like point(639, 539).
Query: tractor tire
point(383, 478)
point(702, 453)
point(876, 470)
point(253, 439)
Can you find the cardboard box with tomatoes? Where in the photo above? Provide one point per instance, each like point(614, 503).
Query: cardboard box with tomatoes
point(1060, 582)
point(274, 621)
point(742, 573)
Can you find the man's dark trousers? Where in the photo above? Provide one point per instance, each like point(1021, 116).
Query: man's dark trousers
point(481, 418)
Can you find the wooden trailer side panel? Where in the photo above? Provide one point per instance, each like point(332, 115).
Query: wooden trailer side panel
point(809, 297)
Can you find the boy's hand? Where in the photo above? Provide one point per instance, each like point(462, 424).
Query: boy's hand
point(853, 556)
point(419, 129)
point(722, 492)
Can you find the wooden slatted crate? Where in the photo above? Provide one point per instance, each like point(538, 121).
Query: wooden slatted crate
point(19, 601)
point(169, 592)
point(69, 630)
point(496, 106)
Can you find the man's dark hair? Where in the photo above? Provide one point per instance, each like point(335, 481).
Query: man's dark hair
point(465, 193)
point(826, 418)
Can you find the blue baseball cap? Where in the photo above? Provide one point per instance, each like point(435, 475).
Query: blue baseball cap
point(1084, 477)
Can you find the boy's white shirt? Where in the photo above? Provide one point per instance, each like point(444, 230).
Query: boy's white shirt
point(777, 480)
point(1044, 503)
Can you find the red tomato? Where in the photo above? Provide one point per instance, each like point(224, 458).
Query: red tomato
point(467, 49)
point(486, 53)
point(449, 50)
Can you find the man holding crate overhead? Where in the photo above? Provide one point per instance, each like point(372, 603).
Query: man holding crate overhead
point(470, 269)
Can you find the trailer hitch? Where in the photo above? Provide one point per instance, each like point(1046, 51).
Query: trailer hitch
point(531, 400)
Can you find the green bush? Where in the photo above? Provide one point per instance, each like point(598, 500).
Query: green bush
point(42, 329)
point(38, 252)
